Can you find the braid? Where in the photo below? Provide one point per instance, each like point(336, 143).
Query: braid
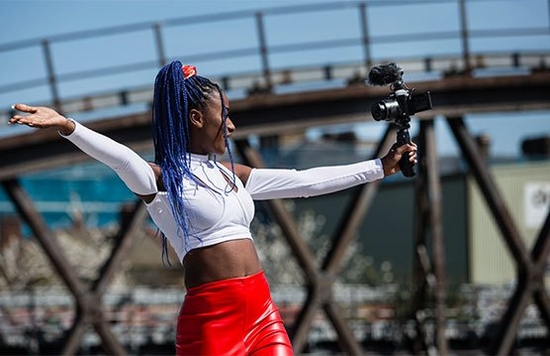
point(174, 97)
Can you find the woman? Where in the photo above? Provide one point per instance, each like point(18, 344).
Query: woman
point(204, 208)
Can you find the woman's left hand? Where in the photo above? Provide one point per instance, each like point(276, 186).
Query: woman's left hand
point(390, 162)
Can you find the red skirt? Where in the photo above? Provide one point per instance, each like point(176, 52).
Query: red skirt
point(231, 317)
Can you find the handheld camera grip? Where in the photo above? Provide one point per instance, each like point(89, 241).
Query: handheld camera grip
point(406, 166)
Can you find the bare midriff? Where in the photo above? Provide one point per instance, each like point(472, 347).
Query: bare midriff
point(230, 259)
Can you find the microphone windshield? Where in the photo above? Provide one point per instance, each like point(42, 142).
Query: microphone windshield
point(385, 74)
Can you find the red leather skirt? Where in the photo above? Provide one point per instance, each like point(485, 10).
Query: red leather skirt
point(231, 317)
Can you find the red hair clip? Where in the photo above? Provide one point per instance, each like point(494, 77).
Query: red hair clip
point(189, 71)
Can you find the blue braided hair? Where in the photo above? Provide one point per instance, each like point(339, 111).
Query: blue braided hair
point(174, 97)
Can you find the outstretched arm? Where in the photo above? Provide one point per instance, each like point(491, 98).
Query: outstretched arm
point(134, 171)
point(289, 183)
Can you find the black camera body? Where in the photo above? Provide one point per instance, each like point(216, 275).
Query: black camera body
point(398, 107)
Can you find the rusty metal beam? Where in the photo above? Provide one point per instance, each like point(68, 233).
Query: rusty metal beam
point(85, 308)
point(492, 196)
point(422, 266)
point(356, 210)
point(88, 303)
point(429, 269)
point(27, 211)
point(540, 256)
point(436, 228)
point(529, 267)
point(453, 96)
point(530, 285)
point(73, 337)
point(305, 259)
point(124, 241)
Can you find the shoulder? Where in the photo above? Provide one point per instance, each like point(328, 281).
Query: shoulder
point(241, 171)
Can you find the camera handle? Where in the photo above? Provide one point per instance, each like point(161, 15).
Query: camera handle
point(403, 137)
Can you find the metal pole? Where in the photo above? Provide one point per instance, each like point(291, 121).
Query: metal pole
point(263, 50)
point(422, 270)
point(464, 37)
point(365, 34)
point(160, 45)
point(438, 250)
point(51, 75)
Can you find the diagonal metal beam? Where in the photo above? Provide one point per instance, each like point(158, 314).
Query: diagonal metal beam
point(356, 211)
point(490, 192)
point(346, 339)
point(128, 232)
point(302, 252)
point(320, 280)
point(74, 336)
point(530, 267)
point(541, 254)
point(306, 259)
point(124, 238)
point(26, 209)
point(88, 303)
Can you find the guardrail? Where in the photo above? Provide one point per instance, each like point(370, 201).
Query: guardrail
point(93, 88)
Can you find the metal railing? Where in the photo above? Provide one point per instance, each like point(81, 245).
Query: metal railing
point(93, 88)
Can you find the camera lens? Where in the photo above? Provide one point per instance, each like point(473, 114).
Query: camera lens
point(379, 111)
point(387, 110)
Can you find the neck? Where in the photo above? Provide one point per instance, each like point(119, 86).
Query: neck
point(203, 156)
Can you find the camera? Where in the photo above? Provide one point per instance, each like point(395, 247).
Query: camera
point(398, 106)
point(403, 102)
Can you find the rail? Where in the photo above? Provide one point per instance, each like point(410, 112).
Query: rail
point(260, 68)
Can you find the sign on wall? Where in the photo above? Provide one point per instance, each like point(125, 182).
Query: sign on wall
point(536, 202)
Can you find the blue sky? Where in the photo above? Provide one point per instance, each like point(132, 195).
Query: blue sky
point(31, 19)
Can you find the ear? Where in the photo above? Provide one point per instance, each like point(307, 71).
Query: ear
point(196, 118)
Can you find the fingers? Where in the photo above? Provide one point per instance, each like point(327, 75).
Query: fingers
point(24, 108)
point(23, 120)
point(410, 149)
point(412, 157)
point(19, 119)
point(400, 150)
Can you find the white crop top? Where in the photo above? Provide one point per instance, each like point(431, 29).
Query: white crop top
point(215, 212)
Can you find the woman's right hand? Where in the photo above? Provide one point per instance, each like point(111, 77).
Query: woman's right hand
point(42, 117)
